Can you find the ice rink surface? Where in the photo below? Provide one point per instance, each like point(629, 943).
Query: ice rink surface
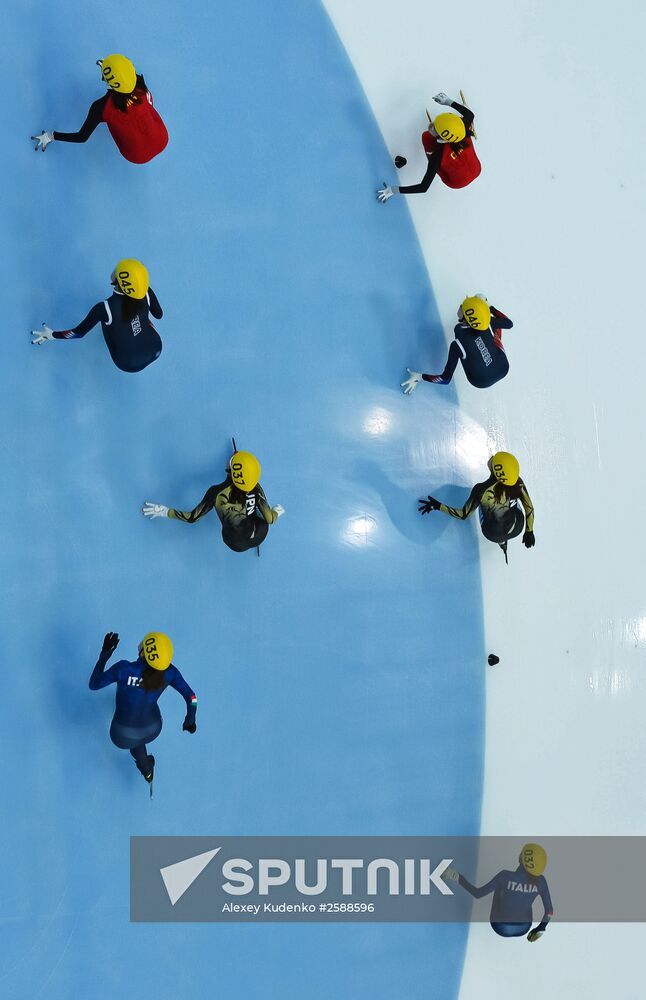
point(340, 676)
point(551, 231)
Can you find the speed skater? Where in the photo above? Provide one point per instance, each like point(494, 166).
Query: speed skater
point(477, 345)
point(448, 144)
point(514, 893)
point(130, 336)
point(137, 720)
point(239, 502)
point(126, 108)
point(496, 500)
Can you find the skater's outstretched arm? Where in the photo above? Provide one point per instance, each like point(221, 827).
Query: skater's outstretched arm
point(95, 315)
point(94, 118)
point(101, 677)
point(502, 321)
point(546, 899)
point(455, 353)
point(473, 502)
point(432, 168)
point(465, 113)
point(528, 537)
point(206, 504)
point(499, 322)
point(528, 506)
point(484, 890)
point(267, 512)
point(175, 679)
point(155, 307)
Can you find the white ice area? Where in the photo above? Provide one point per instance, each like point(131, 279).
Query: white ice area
point(552, 233)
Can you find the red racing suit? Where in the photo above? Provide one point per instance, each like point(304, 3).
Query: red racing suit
point(139, 132)
point(456, 169)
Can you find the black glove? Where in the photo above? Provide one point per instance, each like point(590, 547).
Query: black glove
point(528, 540)
point(188, 727)
point(426, 506)
point(110, 643)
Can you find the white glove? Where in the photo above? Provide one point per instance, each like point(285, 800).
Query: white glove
point(480, 295)
point(384, 193)
point(411, 383)
point(154, 509)
point(452, 874)
point(278, 511)
point(43, 140)
point(443, 99)
point(40, 336)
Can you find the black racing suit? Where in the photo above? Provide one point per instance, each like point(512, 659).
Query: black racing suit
point(500, 519)
point(245, 517)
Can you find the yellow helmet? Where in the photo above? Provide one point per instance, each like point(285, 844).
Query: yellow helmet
point(132, 278)
point(476, 312)
point(245, 471)
point(119, 73)
point(449, 127)
point(157, 650)
point(505, 468)
point(533, 858)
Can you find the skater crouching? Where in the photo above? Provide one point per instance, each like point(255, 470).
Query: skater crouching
point(496, 500)
point(514, 893)
point(129, 335)
point(448, 144)
point(126, 108)
point(239, 502)
point(477, 346)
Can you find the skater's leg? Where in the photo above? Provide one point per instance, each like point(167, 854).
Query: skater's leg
point(510, 930)
point(493, 529)
point(242, 541)
point(141, 758)
point(135, 740)
point(518, 524)
point(501, 529)
point(260, 534)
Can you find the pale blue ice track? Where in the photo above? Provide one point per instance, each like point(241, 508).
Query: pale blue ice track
point(340, 676)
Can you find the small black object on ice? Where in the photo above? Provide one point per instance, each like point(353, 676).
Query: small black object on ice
point(492, 659)
point(400, 161)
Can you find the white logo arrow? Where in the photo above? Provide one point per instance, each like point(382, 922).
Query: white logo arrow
point(180, 876)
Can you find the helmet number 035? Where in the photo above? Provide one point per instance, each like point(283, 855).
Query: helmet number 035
point(151, 648)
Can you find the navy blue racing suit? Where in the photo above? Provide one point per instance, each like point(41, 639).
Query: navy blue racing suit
point(133, 343)
point(137, 719)
point(513, 896)
point(480, 351)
